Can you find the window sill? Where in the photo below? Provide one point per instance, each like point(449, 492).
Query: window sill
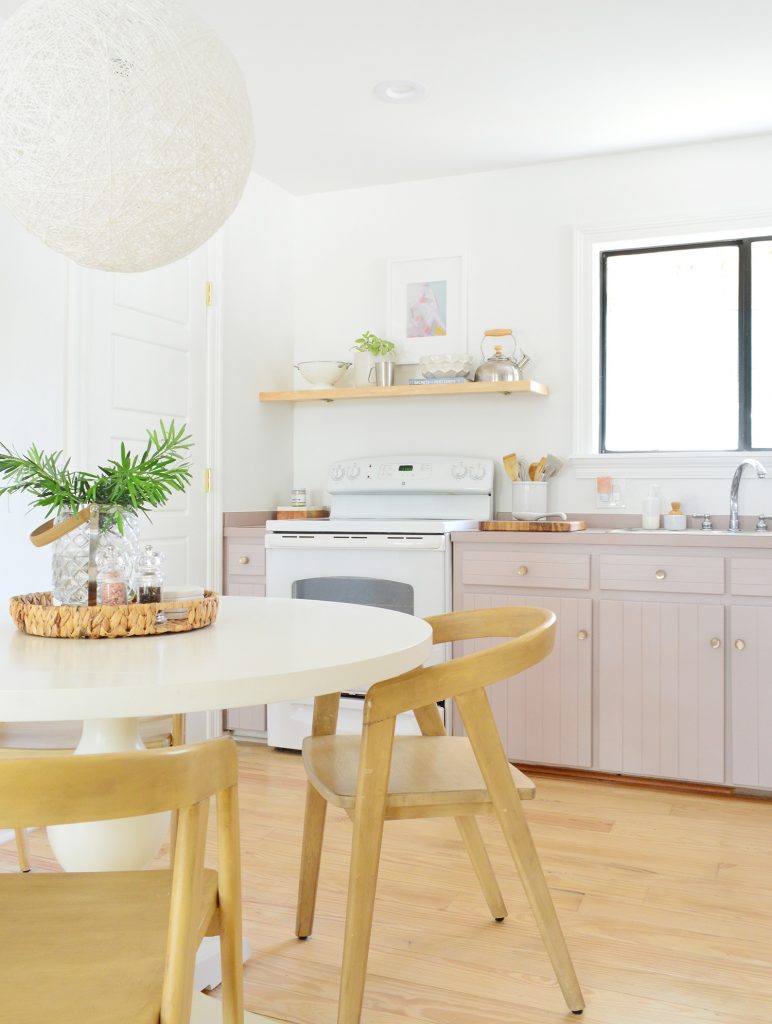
point(665, 465)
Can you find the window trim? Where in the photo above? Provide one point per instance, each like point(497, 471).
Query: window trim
point(589, 242)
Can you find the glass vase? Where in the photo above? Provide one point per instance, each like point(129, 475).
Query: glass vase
point(70, 558)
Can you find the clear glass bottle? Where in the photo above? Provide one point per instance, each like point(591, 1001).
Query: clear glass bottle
point(70, 553)
point(149, 576)
point(112, 576)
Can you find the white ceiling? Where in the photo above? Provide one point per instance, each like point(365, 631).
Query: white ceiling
point(508, 81)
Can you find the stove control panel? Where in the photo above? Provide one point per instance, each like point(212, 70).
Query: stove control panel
point(392, 474)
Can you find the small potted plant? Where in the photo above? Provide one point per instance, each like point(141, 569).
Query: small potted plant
point(119, 490)
point(382, 354)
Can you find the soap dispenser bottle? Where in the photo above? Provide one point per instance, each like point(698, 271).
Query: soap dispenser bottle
point(650, 513)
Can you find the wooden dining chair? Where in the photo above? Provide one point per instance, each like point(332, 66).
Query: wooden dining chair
point(380, 777)
point(119, 947)
point(160, 731)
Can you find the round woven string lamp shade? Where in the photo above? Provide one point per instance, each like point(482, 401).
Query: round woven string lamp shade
point(125, 129)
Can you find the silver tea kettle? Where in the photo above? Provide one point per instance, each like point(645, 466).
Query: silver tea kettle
point(498, 367)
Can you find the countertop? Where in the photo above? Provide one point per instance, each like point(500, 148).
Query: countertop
point(615, 537)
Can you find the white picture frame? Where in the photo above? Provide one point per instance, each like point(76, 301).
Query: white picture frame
point(426, 303)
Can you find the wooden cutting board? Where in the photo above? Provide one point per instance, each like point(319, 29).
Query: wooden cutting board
point(285, 512)
point(519, 526)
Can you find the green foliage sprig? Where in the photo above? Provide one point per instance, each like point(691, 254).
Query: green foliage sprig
point(130, 482)
point(373, 344)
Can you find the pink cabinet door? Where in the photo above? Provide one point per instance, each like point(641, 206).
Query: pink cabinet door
point(751, 682)
point(661, 690)
point(545, 714)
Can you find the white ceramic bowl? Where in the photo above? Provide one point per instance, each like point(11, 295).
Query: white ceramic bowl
point(451, 365)
point(322, 373)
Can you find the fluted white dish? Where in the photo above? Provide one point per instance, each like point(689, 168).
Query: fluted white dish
point(445, 365)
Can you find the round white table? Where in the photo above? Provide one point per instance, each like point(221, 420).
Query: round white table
point(259, 650)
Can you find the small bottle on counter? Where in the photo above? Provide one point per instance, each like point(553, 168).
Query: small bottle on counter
point(650, 511)
point(675, 518)
point(149, 578)
point(112, 576)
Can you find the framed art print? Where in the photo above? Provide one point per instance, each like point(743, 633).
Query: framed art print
point(427, 307)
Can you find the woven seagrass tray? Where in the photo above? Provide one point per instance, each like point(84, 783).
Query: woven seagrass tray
point(38, 615)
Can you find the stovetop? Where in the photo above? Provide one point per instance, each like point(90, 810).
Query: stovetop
point(363, 526)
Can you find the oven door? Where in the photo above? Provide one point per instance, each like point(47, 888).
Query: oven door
point(407, 573)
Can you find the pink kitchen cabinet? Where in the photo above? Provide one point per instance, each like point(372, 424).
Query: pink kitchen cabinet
point(661, 689)
point(545, 714)
point(751, 704)
point(244, 576)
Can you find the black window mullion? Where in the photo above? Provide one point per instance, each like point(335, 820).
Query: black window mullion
point(744, 361)
point(603, 313)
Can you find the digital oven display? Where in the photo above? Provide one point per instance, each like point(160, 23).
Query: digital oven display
point(406, 469)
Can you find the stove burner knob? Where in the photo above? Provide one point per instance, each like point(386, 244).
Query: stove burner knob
point(458, 470)
point(353, 472)
point(336, 473)
point(477, 472)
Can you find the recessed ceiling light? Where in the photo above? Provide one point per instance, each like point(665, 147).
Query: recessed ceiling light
point(399, 91)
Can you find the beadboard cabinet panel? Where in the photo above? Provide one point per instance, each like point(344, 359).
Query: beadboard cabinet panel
point(661, 690)
point(545, 714)
point(751, 667)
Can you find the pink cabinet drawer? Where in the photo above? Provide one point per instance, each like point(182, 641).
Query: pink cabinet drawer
point(665, 575)
point(497, 566)
point(244, 557)
point(751, 577)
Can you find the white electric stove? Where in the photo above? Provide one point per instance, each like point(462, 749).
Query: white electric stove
point(386, 543)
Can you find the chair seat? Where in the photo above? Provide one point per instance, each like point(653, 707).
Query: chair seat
point(66, 735)
point(425, 771)
point(105, 945)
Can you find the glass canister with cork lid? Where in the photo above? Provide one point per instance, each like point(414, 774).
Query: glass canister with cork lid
point(498, 366)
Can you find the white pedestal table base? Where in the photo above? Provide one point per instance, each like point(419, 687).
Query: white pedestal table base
point(123, 844)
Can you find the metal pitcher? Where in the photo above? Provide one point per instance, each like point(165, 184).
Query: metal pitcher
point(383, 371)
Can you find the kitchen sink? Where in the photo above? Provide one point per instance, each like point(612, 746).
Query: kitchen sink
point(689, 533)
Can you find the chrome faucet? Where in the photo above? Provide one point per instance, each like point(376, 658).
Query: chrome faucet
point(734, 519)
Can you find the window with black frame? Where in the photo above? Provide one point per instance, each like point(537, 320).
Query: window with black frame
point(686, 347)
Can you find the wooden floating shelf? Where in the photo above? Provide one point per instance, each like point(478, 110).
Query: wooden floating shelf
point(514, 387)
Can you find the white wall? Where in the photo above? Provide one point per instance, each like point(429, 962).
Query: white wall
point(517, 227)
point(33, 328)
point(257, 348)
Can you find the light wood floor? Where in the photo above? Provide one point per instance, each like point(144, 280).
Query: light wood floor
point(666, 900)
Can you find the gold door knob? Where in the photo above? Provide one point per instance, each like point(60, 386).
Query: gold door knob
point(582, 634)
point(523, 570)
point(244, 560)
point(660, 574)
point(740, 645)
point(715, 643)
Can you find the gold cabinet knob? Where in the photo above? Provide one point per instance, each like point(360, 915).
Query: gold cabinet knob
point(582, 634)
point(740, 645)
point(523, 570)
point(244, 560)
point(715, 643)
point(660, 574)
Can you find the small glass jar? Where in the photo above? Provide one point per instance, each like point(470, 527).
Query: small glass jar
point(149, 576)
point(112, 576)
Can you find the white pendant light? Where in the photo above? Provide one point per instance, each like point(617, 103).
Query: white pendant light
point(125, 129)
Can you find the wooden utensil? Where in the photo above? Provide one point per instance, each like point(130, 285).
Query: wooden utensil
point(539, 474)
point(511, 466)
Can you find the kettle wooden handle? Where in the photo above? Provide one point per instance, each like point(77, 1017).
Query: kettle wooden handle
point(51, 531)
point(499, 332)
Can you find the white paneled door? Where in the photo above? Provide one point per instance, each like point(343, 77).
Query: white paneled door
point(139, 355)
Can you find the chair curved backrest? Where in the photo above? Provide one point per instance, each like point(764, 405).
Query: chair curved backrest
point(531, 633)
point(61, 789)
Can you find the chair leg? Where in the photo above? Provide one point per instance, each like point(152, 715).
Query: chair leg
point(22, 849)
point(475, 847)
point(483, 735)
point(310, 858)
point(372, 789)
